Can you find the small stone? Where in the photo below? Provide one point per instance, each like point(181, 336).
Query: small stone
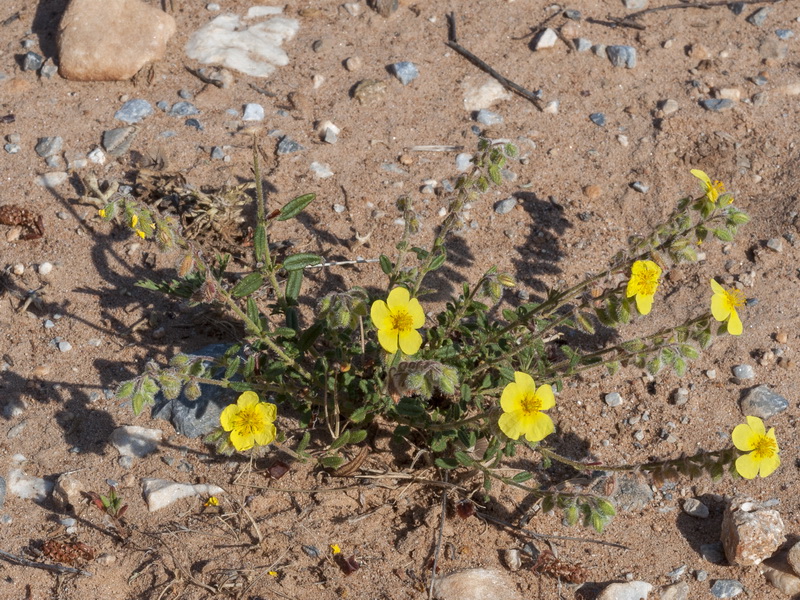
point(48, 146)
point(476, 98)
point(135, 441)
point(12, 148)
point(105, 559)
point(784, 34)
point(160, 493)
point(505, 206)
point(676, 591)
point(253, 112)
point(32, 61)
point(622, 56)
point(134, 111)
point(475, 584)
point(726, 588)
point(640, 187)
point(185, 94)
point(100, 40)
point(28, 487)
point(321, 170)
point(213, 7)
point(118, 141)
point(573, 14)
point(700, 575)
point(737, 8)
point(287, 146)
point(551, 108)
point(582, 44)
point(339, 208)
point(793, 557)
point(16, 430)
point(64, 346)
point(763, 403)
point(487, 117)
point(405, 71)
point(217, 153)
point(544, 39)
point(18, 269)
point(600, 50)
point(775, 244)
point(354, 63)
point(613, 399)
point(713, 553)
point(694, 508)
point(592, 192)
point(370, 92)
point(463, 162)
point(353, 8)
point(52, 179)
point(759, 17)
point(716, 104)
point(779, 573)
point(45, 268)
point(189, 123)
point(598, 119)
point(97, 156)
point(511, 556)
point(638, 435)
point(67, 493)
point(680, 396)
point(183, 109)
point(669, 106)
point(636, 4)
point(676, 574)
point(750, 533)
point(781, 337)
point(711, 373)
point(743, 372)
point(733, 94)
point(632, 590)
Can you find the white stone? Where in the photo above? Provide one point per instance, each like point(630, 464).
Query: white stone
point(323, 127)
point(253, 112)
point(52, 179)
point(254, 50)
point(321, 170)
point(97, 156)
point(791, 89)
point(734, 94)
point(160, 493)
point(551, 108)
point(475, 584)
point(19, 269)
point(255, 12)
point(491, 92)
point(45, 268)
point(545, 39)
point(135, 441)
point(632, 590)
point(27, 486)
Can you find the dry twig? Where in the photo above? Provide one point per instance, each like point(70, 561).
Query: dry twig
point(37, 565)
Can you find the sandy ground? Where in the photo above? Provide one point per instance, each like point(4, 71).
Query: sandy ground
point(58, 415)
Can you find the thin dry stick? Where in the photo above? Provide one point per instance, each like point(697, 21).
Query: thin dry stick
point(438, 540)
point(37, 565)
point(703, 5)
point(543, 536)
point(507, 83)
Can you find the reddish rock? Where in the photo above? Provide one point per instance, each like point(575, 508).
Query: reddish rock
point(750, 532)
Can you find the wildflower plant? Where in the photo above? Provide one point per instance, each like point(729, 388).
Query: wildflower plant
point(461, 380)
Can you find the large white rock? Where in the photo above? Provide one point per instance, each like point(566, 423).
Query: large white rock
point(27, 486)
point(110, 40)
point(475, 584)
point(476, 98)
point(160, 493)
point(632, 590)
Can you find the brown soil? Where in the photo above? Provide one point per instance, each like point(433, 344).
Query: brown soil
point(188, 551)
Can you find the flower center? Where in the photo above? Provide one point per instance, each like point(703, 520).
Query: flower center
point(765, 447)
point(402, 320)
point(531, 404)
point(248, 421)
point(734, 299)
point(647, 282)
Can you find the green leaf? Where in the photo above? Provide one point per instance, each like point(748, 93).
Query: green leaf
point(386, 264)
point(359, 414)
point(571, 515)
point(464, 459)
point(438, 260)
point(548, 504)
point(286, 332)
point(301, 261)
point(689, 351)
point(613, 367)
point(310, 335)
point(303, 444)
point(495, 175)
point(446, 463)
point(240, 386)
point(680, 367)
point(605, 507)
point(252, 311)
point(331, 462)
point(522, 477)
point(723, 235)
point(249, 366)
point(233, 366)
point(260, 243)
point(246, 286)
point(358, 435)
point(295, 207)
point(294, 282)
point(341, 441)
point(598, 522)
point(125, 391)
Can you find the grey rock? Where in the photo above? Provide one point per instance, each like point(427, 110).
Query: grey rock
point(737, 8)
point(546, 38)
point(134, 111)
point(701, 575)
point(631, 590)
point(583, 45)
point(694, 508)
point(713, 553)
point(759, 17)
point(743, 372)
point(162, 105)
point(195, 418)
point(185, 94)
point(669, 106)
point(16, 430)
point(311, 551)
point(636, 4)
point(763, 403)
point(572, 14)
point(632, 494)
point(463, 162)
point(135, 441)
point(784, 34)
point(505, 206)
point(48, 70)
point(716, 104)
point(32, 61)
point(321, 170)
point(726, 588)
point(598, 119)
point(405, 71)
point(640, 187)
point(217, 153)
point(331, 136)
point(487, 117)
point(622, 56)
point(775, 244)
point(183, 109)
point(118, 141)
point(12, 148)
point(613, 399)
point(253, 112)
point(287, 146)
point(677, 573)
point(600, 50)
point(680, 396)
point(48, 146)
point(64, 346)
point(192, 122)
point(676, 591)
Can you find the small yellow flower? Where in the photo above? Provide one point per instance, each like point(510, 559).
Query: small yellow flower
point(272, 573)
point(140, 233)
point(102, 213)
point(134, 221)
point(335, 548)
point(714, 189)
point(724, 304)
point(761, 446)
point(645, 275)
point(212, 501)
point(249, 421)
point(522, 404)
point(397, 321)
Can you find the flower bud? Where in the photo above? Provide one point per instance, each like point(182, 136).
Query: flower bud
point(506, 280)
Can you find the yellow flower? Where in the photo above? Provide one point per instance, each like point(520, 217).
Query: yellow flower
point(522, 404)
point(714, 189)
point(272, 573)
point(102, 213)
point(645, 275)
point(212, 501)
point(724, 304)
point(335, 548)
point(140, 233)
point(397, 321)
point(134, 221)
point(761, 445)
point(249, 421)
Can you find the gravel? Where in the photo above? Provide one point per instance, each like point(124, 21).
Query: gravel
point(405, 71)
point(134, 111)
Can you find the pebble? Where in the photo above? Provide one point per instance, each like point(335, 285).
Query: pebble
point(475, 584)
point(321, 170)
point(694, 508)
point(463, 162)
point(213, 7)
point(759, 17)
point(638, 435)
point(405, 71)
point(592, 192)
point(118, 141)
point(32, 61)
point(160, 493)
point(19, 269)
point(64, 346)
point(487, 117)
point(726, 588)
point(598, 119)
point(793, 557)
point(680, 396)
point(287, 146)
point(339, 208)
point(12, 148)
point(636, 4)
point(573, 14)
point(48, 324)
point(48, 146)
point(669, 106)
point(743, 372)
point(613, 399)
point(711, 373)
point(52, 179)
point(253, 112)
point(640, 187)
point(631, 590)
point(217, 153)
point(733, 94)
point(583, 45)
point(631, 494)
point(135, 441)
point(775, 244)
point(700, 575)
point(750, 531)
point(485, 96)
point(68, 493)
point(676, 591)
point(779, 573)
point(551, 108)
point(354, 63)
point(45, 268)
point(505, 206)
point(111, 41)
point(716, 104)
point(600, 50)
point(763, 403)
point(353, 8)
point(185, 94)
point(134, 111)
point(183, 109)
point(16, 430)
point(28, 487)
point(544, 39)
point(622, 56)
point(192, 122)
point(97, 156)
point(784, 34)
point(512, 558)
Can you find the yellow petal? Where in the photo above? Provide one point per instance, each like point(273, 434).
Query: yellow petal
point(416, 312)
point(388, 340)
point(510, 400)
point(247, 399)
point(757, 425)
point(718, 289)
point(227, 416)
point(735, 324)
point(379, 313)
point(241, 442)
point(398, 297)
point(747, 466)
point(702, 177)
point(719, 307)
point(525, 383)
point(269, 410)
point(743, 437)
point(266, 435)
point(410, 341)
point(768, 465)
point(545, 395)
point(631, 289)
point(644, 303)
point(510, 425)
point(541, 427)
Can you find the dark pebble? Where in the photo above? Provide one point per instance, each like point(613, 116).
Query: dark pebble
point(287, 146)
point(193, 123)
point(573, 14)
point(183, 109)
point(622, 56)
point(759, 17)
point(311, 551)
point(598, 119)
point(48, 146)
point(32, 61)
point(716, 104)
point(737, 8)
